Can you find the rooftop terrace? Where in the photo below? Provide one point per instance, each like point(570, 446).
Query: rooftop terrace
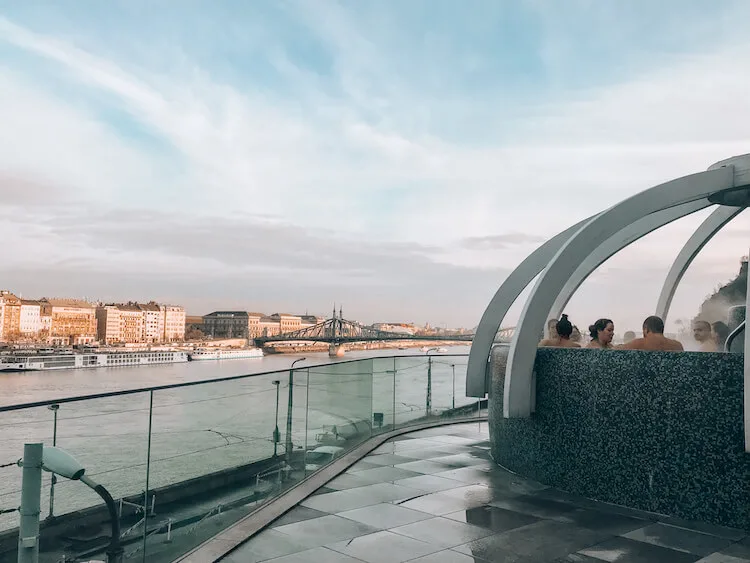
point(435, 496)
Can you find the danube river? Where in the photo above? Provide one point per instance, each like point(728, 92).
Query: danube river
point(199, 429)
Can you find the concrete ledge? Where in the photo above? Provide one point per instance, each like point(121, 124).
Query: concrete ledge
point(225, 542)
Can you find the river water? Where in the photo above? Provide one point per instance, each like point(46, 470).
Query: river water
point(207, 427)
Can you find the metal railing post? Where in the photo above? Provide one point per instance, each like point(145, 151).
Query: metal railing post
point(31, 492)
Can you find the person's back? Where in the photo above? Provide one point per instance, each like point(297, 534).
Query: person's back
point(653, 338)
point(561, 338)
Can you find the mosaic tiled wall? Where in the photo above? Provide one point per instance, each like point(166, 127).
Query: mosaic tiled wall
point(651, 430)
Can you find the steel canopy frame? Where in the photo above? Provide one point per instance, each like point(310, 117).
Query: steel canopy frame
point(518, 379)
point(712, 225)
point(614, 244)
point(511, 288)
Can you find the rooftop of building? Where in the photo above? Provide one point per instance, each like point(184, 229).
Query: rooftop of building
point(435, 496)
point(64, 302)
point(227, 314)
point(30, 302)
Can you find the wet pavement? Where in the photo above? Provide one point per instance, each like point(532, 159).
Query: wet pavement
point(435, 496)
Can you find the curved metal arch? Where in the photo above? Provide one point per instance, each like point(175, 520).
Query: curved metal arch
point(518, 389)
point(505, 296)
point(614, 244)
point(712, 225)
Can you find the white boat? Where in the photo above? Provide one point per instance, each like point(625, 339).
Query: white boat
point(219, 354)
point(39, 362)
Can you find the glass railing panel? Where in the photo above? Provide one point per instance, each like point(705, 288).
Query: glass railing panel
point(340, 408)
point(16, 429)
point(448, 377)
point(108, 437)
point(383, 394)
point(411, 389)
point(212, 457)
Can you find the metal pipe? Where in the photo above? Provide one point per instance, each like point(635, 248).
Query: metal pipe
point(428, 399)
point(114, 550)
point(31, 492)
point(289, 410)
point(276, 436)
point(53, 481)
point(453, 404)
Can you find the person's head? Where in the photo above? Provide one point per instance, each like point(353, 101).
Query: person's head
point(629, 336)
point(575, 336)
point(653, 325)
point(564, 327)
point(602, 331)
point(552, 328)
point(701, 331)
point(720, 333)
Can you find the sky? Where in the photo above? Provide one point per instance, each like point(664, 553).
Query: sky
point(398, 158)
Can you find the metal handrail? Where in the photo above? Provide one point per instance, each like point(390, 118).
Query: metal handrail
point(201, 382)
point(732, 335)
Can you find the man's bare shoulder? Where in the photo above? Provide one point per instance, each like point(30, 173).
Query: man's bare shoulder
point(675, 345)
point(546, 343)
point(636, 344)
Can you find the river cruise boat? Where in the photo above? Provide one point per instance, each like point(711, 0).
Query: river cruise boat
point(238, 354)
point(40, 362)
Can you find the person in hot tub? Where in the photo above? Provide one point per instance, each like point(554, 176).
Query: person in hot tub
point(564, 329)
point(653, 338)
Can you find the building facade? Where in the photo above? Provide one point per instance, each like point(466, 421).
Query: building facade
point(10, 317)
point(287, 322)
point(174, 323)
point(72, 321)
point(226, 324)
point(30, 319)
point(153, 323)
point(108, 324)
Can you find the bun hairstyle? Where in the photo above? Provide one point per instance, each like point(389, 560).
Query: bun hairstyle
point(564, 327)
point(597, 327)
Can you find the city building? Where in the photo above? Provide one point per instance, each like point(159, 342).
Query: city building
point(287, 322)
point(108, 324)
point(174, 323)
point(253, 324)
point(153, 323)
point(310, 320)
point(268, 326)
point(133, 323)
point(226, 324)
point(30, 324)
point(72, 321)
point(398, 328)
point(10, 317)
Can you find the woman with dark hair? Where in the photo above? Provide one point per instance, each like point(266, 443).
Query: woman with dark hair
point(720, 333)
point(562, 338)
point(601, 333)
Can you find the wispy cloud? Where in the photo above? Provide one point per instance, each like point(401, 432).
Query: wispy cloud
point(391, 142)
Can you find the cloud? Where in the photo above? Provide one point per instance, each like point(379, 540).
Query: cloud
point(369, 148)
point(494, 242)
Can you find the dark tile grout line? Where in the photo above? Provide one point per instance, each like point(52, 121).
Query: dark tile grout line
point(228, 540)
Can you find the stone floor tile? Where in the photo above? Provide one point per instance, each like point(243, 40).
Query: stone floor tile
point(719, 557)
point(385, 515)
point(615, 524)
point(388, 459)
point(266, 545)
point(384, 547)
point(386, 474)
point(316, 555)
point(442, 532)
point(429, 483)
point(495, 519)
point(439, 504)
point(324, 530)
point(619, 549)
point(424, 466)
point(679, 538)
point(350, 499)
point(297, 514)
point(448, 556)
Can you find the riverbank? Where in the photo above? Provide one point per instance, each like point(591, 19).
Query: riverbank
point(301, 348)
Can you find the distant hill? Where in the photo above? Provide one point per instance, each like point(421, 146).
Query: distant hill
point(715, 307)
